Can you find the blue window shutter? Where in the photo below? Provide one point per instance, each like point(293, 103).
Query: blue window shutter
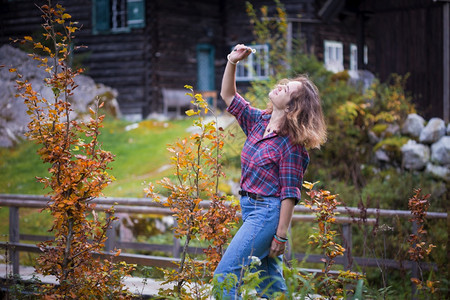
point(136, 13)
point(101, 16)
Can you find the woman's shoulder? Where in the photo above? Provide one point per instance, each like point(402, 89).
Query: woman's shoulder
point(289, 146)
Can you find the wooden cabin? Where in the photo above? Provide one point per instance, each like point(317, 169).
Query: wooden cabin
point(149, 49)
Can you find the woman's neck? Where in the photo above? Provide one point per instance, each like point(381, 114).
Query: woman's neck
point(275, 119)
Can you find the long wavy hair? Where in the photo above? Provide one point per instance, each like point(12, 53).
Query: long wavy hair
point(304, 122)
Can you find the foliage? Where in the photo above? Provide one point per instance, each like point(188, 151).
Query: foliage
point(324, 204)
point(78, 168)
point(271, 31)
point(419, 249)
point(198, 170)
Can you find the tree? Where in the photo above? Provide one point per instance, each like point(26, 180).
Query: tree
point(78, 171)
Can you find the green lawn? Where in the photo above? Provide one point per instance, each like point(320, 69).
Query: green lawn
point(141, 156)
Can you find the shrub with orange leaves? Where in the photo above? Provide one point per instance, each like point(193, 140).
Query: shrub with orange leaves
point(198, 169)
point(324, 204)
point(419, 249)
point(78, 168)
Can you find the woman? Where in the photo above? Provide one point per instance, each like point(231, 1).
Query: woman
point(274, 159)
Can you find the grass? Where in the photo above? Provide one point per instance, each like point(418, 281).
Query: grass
point(141, 156)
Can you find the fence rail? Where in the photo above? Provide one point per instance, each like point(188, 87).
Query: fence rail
point(147, 206)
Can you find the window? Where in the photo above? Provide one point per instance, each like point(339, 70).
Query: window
point(118, 15)
point(256, 66)
point(333, 56)
point(354, 56)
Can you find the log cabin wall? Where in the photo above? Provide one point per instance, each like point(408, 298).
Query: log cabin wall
point(116, 59)
point(402, 36)
point(409, 37)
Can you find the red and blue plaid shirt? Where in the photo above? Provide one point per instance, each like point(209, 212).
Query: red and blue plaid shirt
point(271, 165)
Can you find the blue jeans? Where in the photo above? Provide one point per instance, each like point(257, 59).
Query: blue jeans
point(260, 222)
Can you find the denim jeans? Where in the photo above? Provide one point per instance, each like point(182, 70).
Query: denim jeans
point(260, 221)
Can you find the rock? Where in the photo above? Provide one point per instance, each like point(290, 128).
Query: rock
point(391, 130)
point(13, 116)
point(381, 155)
point(440, 151)
point(434, 130)
point(373, 138)
point(413, 125)
point(415, 156)
point(361, 79)
point(441, 172)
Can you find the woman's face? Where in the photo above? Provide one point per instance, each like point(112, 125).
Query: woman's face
point(280, 96)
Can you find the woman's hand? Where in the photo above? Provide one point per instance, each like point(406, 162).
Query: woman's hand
point(276, 248)
point(239, 53)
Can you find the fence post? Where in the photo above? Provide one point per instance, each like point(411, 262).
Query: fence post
point(111, 235)
point(347, 241)
point(288, 254)
point(414, 267)
point(176, 247)
point(14, 237)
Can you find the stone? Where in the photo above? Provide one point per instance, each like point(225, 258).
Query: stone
point(415, 156)
point(441, 172)
point(391, 130)
point(434, 130)
point(413, 125)
point(373, 138)
point(381, 155)
point(13, 112)
point(440, 151)
point(360, 79)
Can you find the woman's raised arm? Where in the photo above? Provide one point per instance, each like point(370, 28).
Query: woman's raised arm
point(228, 89)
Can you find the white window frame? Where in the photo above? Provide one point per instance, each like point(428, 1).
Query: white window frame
point(354, 56)
point(333, 56)
point(256, 66)
point(119, 12)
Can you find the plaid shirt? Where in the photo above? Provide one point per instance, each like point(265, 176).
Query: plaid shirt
point(271, 165)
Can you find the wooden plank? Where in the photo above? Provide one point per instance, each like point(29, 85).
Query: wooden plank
point(37, 200)
point(14, 237)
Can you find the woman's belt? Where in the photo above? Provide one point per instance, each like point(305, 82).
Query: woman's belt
point(251, 195)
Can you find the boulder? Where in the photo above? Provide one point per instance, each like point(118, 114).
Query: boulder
point(381, 155)
point(361, 79)
point(13, 116)
point(373, 138)
point(415, 156)
point(434, 130)
point(441, 172)
point(440, 151)
point(391, 130)
point(413, 125)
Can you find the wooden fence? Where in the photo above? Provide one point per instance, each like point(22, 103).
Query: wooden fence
point(352, 216)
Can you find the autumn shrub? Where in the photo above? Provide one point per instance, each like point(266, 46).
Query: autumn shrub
point(78, 168)
point(198, 170)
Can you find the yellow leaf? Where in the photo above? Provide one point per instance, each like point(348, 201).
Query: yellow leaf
point(308, 185)
point(191, 112)
point(28, 38)
point(12, 70)
point(66, 16)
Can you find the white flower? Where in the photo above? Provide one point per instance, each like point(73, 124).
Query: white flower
point(254, 260)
